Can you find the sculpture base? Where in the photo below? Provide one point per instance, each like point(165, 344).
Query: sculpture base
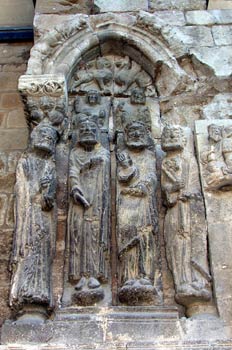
point(120, 328)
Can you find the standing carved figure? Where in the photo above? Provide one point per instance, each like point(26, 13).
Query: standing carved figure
point(35, 218)
point(88, 219)
point(217, 158)
point(184, 226)
point(137, 222)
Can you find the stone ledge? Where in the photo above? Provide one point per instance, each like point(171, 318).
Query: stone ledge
point(119, 327)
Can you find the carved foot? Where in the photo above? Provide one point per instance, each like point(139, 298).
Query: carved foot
point(88, 292)
point(138, 292)
point(192, 293)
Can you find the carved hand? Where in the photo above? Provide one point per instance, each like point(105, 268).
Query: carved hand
point(78, 197)
point(124, 159)
point(178, 185)
point(44, 182)
point(47, 202)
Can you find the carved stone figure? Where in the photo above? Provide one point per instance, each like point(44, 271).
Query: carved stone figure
point(100, 73)
point(136, 109)
point(217, 158)
point(112, 74)
point(184, 226)
point(35, 217)
point(88, 218)
point(137, 220)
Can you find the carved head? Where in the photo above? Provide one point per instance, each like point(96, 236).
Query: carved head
point(136, 135)
point(103, 63)
point(88, 132)
point(138, 96)
point(44, 138)
point(215, 132)
point(93, 97)
point(36, 113)
point(173, 138)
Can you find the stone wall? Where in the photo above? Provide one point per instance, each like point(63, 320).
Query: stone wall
point(13, 140)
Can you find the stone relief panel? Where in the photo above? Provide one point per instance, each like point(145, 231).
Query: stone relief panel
point(216, 159)
point(185, 227)
point(213, 149)
point(111, 75)
point(109, 134)
point(35, 221)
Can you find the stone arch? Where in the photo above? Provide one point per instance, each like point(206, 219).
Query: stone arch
point(58, 52)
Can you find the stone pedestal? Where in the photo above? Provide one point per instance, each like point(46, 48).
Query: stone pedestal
point(119, 328)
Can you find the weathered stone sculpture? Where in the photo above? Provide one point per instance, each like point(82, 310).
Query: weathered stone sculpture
point(217, 159)
point(35, 215)
point(137, 219)
point(88, 218)
point(184, 226)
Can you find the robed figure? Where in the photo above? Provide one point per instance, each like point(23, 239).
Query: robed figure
point(88, 218)
point(137, 219)
point(184, 225)
point(35, 218)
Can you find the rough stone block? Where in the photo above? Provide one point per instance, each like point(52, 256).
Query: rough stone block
point(64, 7)
point(209, 17)
point(14, 54)
point(222, 35)
point(200, 18)
point(16, 119)
point(120, 5)
point(178, 5)
point(7, 183)
point(181, 38)
point(220, 4)
point(13, 139)
point(16, 13)
point(172, 18)
point(218, 59)
point(14, 68)
point(8, 81)
point(10, 100)
point(219, 108)
point(2, 119)
point(222, 16)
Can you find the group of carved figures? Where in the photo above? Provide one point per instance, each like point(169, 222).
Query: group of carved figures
point(89, 223)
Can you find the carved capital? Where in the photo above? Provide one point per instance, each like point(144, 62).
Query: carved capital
point(44, 85)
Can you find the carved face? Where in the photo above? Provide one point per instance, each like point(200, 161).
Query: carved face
point(44, 138)
point(215, 132)
point(172, 138)
point(138, 96)
point(93, 97)
point(88, 133)
point(56, 116)
point(136, 135)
